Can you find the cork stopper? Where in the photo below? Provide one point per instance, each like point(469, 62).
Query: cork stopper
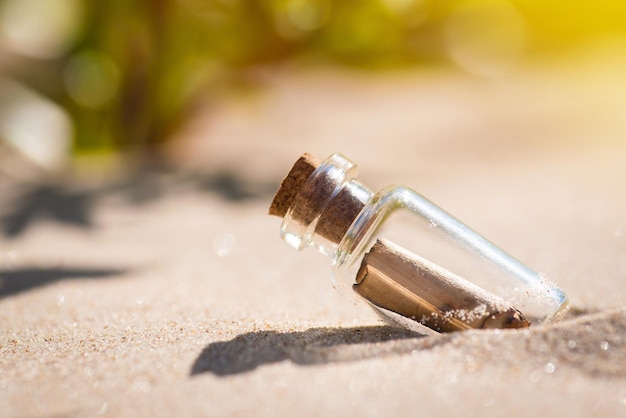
point(321, 195)
point(293, 183)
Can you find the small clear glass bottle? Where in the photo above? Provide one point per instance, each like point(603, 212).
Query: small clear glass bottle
point(423, 266)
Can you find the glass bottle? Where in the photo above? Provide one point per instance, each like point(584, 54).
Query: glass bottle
point(421, 265)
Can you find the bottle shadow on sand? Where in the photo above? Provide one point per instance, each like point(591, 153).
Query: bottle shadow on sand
point(587, 343)
point(248, 351)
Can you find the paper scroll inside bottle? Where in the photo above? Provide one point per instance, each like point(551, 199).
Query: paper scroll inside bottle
point(395, 279)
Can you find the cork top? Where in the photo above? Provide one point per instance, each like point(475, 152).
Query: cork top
point(322, 196)
point(293, 183)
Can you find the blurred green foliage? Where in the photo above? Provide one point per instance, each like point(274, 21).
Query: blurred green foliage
point(128, 71)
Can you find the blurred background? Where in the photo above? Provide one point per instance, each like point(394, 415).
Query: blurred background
point(123, 79)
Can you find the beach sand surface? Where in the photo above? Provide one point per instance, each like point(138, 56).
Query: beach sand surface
point(171, 293)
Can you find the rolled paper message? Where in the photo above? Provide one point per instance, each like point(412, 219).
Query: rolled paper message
point(395, 279)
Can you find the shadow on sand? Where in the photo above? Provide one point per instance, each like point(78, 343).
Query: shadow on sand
point(591, 344)
point(23, 279)
point(72, 205)
point(248, 351)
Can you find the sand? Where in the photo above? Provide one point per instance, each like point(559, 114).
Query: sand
point(170, 294)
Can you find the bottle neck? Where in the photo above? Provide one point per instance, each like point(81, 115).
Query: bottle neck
point(324, 208)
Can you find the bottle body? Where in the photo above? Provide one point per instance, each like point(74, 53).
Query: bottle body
point(422, 264)
point(425, 229)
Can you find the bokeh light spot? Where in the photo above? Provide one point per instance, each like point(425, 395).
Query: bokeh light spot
point(39, 29)
point(91, 79)
point(308, 15)
point(35, 126)
point(486, 37)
